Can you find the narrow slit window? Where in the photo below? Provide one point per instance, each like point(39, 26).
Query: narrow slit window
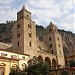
point(18, 44)
point(30, 44)
point(18, 34)
point(18, 26)
point(30, 35)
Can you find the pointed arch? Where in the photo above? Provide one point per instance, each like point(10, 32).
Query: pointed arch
point(48, 61)
point(54, 63)
point(40, 58)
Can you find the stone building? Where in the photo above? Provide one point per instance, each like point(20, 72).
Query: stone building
point(26, 45)
point(25, 40)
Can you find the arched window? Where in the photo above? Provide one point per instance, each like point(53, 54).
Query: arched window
point(18, 34)
point(24, 66)
point(2, 64)
point(47, 60)
point(40, 58)
point(27, 15)
point(54, 63)
point(30, 35)
point(14, 65)
point(29, 25)
point(39, 47)
point(18, 26)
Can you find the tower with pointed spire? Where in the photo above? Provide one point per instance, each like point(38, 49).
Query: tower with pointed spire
point(25, 41)
point(24, 13)
point(24, 33)
point(52, 27)
point(54, 42)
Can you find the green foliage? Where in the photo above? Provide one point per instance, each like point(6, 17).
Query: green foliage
point(35, 67)
point(17, 71)
point(72, 63)
point(38, 67)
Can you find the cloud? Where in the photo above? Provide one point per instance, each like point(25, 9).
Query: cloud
point(67, 22)
point(67, 26)
point(61, 12)
point(9, 15)
point(9, 9)
point(6, 1)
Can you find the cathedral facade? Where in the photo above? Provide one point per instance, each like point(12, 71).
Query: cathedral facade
point(26, 44)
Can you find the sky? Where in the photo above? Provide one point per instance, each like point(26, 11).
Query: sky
point(60, 12)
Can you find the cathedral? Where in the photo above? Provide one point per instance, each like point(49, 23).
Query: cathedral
point(26, 45)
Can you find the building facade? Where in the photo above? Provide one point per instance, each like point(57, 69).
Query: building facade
point(26, 45)
point(25, 40)
point(10, 60)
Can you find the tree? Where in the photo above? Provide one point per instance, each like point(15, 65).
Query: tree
point(35, 67)
point(17, 71)
point(72, 63)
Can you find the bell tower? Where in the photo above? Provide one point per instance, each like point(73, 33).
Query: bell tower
point(24, 33)
point(23, 14)
point(54, 42)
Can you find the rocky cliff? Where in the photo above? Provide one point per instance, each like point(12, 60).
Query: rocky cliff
point(68, 39)
point(67, 36)
point(6, 32)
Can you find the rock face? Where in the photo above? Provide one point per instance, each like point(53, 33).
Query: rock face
point(6, 32)
point(68, 37)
